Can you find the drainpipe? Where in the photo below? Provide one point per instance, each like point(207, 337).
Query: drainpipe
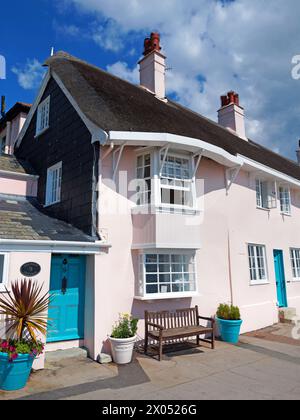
point(8, 135)
point(230, 270)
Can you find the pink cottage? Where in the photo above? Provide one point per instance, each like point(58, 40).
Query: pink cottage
point(131, 202)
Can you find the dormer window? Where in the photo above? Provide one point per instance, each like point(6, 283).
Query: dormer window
point(43, 112)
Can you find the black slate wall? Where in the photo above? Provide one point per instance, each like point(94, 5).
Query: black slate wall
point(69, 141)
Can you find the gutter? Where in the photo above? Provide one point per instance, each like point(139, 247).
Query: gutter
point(18, 174)
point(19, 245)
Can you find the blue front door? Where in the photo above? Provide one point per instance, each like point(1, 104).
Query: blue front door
point(280, 279)
point(66, 311)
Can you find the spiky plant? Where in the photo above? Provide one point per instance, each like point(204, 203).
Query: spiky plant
point(26, 307)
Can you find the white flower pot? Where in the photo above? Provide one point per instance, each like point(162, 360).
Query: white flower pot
point(122, 349)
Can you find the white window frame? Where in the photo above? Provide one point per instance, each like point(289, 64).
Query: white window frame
point(156, 179)
point(53, 185)
point(143, 295)
point(284, 193)
point(255, 268)
point(295, 263)
point(5, 271)
point(43, 116)
point(142, 187)
point(163, 158)
point(266, 194)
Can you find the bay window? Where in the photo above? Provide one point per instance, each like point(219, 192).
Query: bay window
point(167, 274)
point(165, 180)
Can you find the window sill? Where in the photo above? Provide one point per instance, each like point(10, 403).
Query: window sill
point(167, 296)
point(263, 209)
point(295, 280)
point(286, 214)
point(51, 204)
point(151, 209)
point(259, 283)
point(41, 133)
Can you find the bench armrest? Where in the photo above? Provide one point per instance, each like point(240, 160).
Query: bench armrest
point(212, 320)
point(159, 327)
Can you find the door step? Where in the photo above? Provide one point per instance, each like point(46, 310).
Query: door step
point(287, 315)
point(76, 353)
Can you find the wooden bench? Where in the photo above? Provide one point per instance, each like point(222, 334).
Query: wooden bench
point(168, 326)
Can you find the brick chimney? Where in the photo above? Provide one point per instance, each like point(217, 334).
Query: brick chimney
point(153, 67)
point(232, 115)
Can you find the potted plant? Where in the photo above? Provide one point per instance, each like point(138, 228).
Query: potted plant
point(123, 338)
point(229, 321)
point(24, 309)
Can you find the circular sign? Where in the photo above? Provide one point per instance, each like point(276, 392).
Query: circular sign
point(30, 269)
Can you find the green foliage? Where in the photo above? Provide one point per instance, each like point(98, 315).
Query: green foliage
point(15, 347)
point(126, 327)
point(229, 313)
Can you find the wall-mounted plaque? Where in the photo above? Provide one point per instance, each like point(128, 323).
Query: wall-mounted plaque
point(30, 269)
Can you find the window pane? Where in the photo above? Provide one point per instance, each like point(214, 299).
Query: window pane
point(165, 288)
point(164, 258)
point(151, 289)
point(151, 278)
point(151, 258)
point(151, 268)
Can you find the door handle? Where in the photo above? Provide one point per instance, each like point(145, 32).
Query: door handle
point(64, 285)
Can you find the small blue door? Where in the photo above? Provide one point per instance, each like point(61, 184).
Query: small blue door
point(280, 279)
point(67, 287)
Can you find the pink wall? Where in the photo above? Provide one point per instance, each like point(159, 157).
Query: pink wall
point(18, 185)
point(230, 222)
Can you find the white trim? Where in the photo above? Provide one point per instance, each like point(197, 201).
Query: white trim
point(165, 296)
point(68, 247)
point(266, 169)
point(163, 247)
point(258, 282)
point(214, 152)
point(163, 139)
point(33, 108)
point(97, 133)
point(5, 271)
point(18, 174)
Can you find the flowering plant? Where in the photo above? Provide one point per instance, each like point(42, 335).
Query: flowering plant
point(126, 327)
point(13, 348)
point(25, 307)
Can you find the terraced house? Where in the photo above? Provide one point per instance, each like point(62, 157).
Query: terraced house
point(139, 203)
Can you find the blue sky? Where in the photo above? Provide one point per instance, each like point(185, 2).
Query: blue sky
point(212, 46)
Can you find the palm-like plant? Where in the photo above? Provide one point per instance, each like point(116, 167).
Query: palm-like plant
point(26, 309)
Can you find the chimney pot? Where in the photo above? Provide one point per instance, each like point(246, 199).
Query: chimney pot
point(153, 66)
point(231, 114)
point(152, 43)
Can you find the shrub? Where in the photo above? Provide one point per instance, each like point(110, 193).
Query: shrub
point(126, 327)
point(26, 309)
point(228, 312)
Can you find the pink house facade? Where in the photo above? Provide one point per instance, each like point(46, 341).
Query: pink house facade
point(164, 208)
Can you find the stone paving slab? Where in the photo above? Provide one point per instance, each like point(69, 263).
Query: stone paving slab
point(255, 369)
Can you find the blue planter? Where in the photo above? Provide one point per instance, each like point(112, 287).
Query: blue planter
point(14, 375)
point(229, 330)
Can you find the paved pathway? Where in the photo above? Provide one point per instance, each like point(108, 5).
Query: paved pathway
point(258, 368)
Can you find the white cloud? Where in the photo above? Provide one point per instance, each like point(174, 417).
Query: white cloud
point(122, 70)
point(245, 46)
point(29, 75)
